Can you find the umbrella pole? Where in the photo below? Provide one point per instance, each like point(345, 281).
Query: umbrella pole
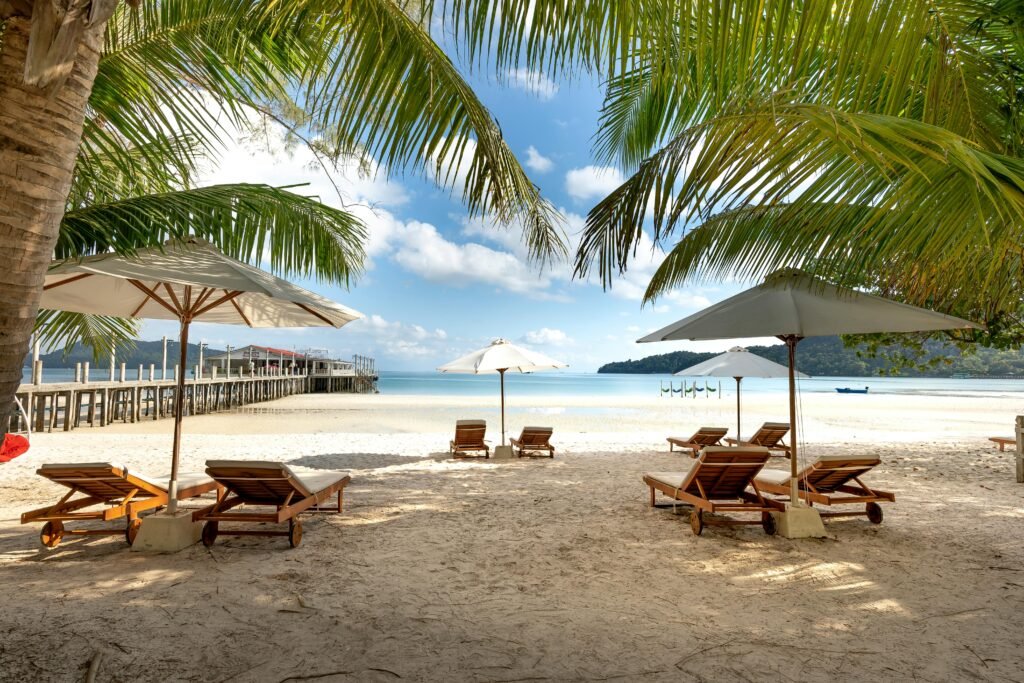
point(502, 374)
point(737, 407)
point(791, 342)
point(179, 405)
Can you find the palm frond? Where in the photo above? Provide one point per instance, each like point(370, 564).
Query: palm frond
point(931, 193)
point(297, 235)
point(109, 168)
point(925, 60)
point(394, 88)
point(101, 333)
point(175, 67)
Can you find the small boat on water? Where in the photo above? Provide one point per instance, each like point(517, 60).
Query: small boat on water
point(848, 390)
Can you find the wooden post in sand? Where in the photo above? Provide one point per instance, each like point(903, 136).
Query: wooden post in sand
point(1019, 432)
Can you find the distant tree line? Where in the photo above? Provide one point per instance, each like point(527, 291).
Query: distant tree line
point(144, 353)
point(829, 357)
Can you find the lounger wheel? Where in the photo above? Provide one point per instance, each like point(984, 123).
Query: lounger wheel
point(294, 533)
point(697, 522)
point(209, 533)
point(132, 530)
point(768, 523)
point(874, 513)
point(51, 534)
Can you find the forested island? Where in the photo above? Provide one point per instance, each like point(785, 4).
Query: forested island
point(829, 357)
point(145, 353)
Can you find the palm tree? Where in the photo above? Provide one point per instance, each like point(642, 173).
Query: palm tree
point(873, 143)
point(366, 74)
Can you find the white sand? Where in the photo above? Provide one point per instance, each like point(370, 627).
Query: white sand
point(535, 570)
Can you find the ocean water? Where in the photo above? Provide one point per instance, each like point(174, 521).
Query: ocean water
point(592, 384)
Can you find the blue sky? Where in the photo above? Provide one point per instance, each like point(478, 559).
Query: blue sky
point(438, 284)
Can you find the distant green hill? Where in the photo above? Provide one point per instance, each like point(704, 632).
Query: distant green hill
point(828, 357)
point(145, 353)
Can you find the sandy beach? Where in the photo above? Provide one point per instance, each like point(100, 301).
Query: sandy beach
point(535, 570)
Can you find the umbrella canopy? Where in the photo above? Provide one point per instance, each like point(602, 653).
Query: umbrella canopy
point(791, 302)
point(153, 283)
point(186, 281)
point(499, 356)
point(737, 363)
point(791, 305)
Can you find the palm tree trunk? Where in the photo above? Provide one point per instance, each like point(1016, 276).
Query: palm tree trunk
point(40, 132)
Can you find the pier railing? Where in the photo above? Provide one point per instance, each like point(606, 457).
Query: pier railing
point(83, 401)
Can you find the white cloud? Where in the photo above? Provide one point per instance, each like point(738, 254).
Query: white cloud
point(592, 182)
point(422, 250)
point(546, 336)
point(394, 339)
point(533, 82)
point(537, 161)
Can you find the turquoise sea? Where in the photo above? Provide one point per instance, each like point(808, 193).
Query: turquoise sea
point(593, 384)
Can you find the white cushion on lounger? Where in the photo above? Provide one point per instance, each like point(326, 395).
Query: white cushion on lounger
point(673, 479)
point(83, 465)
point(316, 482)
point(312, 482)
point(773, 476)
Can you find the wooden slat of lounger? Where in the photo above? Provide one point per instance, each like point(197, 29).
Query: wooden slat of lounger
point(538, 438)
point(470, 437)
point(709, 436)
point(829, 475)
point(725, 474)
point(769, 438)
point(105, 483)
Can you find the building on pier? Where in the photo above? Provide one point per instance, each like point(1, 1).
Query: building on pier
point(326, 374)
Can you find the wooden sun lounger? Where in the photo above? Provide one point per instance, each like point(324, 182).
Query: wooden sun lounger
point(705, 436)
point(112, 489)
point(268, 484)
point(1003, 442)
point(718, 482)
point(469, 438)
point(768, 436)
point(534, 442)
point(832, 480)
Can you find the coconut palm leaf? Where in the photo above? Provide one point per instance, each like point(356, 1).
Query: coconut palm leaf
point(856, 138)
point(838, 55)
point(367, 75)
point(295, 235)
point(187, 67)
point(410, 106)
point(292, 234)
point(109, 168)
point(102, 333)
point(935, 193)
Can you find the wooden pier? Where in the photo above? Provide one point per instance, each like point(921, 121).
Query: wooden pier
point(69, 405)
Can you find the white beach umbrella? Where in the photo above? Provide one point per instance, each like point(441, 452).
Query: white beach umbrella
point(499, 356)
point(186, 281)
point(737, 363)
point(792, 305)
